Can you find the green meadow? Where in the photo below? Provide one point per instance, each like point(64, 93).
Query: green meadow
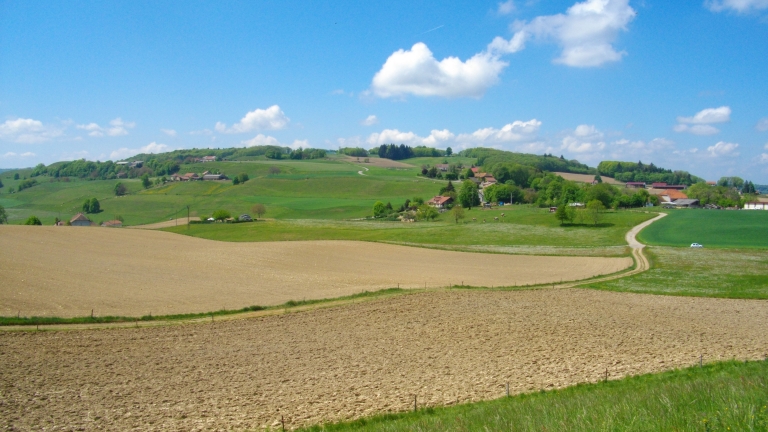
point(717, 397)
point(730, 273)
point(712, 228)
point(304, 189)
point(520, 225)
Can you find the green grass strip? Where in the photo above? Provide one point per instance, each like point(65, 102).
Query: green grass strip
point(717, 397)
point(30, 321)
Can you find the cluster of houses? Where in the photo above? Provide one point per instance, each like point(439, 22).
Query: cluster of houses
point(482, 179)
point(195, 176)
point(82, 220)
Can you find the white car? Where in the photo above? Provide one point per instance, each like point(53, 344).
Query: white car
point(696, 245)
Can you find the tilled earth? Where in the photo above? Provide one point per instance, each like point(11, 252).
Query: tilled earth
point(72, 271)
point(339, 363)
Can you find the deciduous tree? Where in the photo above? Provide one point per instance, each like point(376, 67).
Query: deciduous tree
point(33, 220)
point(595, 209)
point(3, 215)
point(258, 209)
point(457, 213)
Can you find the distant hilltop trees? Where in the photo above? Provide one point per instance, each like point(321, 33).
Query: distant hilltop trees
point(648, 173)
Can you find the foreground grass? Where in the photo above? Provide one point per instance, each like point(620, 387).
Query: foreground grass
point(712, 228)
point(728, 273)
point(521, 225)
point(31, 321)
point(718, 397)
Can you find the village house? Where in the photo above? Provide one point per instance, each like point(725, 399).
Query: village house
point(662, 185)
point(442, 167)
point(208, 159)
point(672, 195)
point(635, 185)
point(440, 201)
point(755, 206)
point(214, 177)
point(80, 220)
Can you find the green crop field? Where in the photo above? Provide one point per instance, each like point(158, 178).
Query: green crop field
point(718, 397)
point(521, 225)
point(731, 273)
point(712, 228)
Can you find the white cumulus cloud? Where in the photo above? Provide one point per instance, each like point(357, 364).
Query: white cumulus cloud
point(151, 148)
point(739, 6)
point(27, 131)
point(262, 140)
point(701, 122)
point(762, 124)
point(169, 132)
point(515, 132)
point(14, 155)
point(259, 119)
point(506, 8)
point(763, 158)
point(417, 72)
point(723, 148)
point(584, 139)
point(586, 32)
point(117, 127)
point(370, 120)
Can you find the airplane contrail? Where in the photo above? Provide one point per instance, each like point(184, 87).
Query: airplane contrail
point(438, 27)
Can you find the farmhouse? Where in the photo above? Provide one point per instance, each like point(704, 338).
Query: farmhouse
point(80, 220)
point(667, 186)
point(214, 177)
point(442, 167)
point(208, 159)
point(672, 195)
point(440, 201)
point(755, 206)
point(113, 224)
point(686, 203)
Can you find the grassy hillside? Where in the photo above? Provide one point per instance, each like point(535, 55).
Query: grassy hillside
point(316, 189)
point(712, 228)
point(718, 397)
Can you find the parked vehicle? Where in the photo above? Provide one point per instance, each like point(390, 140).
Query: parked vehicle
point(245, 218)
point(696, 245)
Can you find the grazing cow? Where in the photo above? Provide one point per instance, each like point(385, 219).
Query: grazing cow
point(496, 219)
point(474, 219)
point(483, 220)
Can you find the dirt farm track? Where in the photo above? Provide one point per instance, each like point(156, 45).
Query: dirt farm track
point(69, 271)
point(339, 363)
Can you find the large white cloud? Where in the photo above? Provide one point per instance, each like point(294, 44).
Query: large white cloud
point(27, 131)
point(151, 148)
point(723, 148)
point(117, 127)
point(586, 32)
point(515, 132)
point(262, 140)
point(417, 72)
point(259, 119)
point(701, 122)
point(740, 6)
point(584, 139)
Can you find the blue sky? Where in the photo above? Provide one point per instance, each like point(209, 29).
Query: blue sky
point(679, 84)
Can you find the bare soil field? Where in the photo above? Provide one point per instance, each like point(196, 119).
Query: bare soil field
point(69, 271)
point(340, 363)
point(588, 178)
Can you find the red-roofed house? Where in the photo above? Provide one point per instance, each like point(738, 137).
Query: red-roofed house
point(440, 201)
point(671, 195)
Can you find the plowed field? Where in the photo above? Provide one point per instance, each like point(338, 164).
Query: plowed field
point(359, 359)
point(69, 271)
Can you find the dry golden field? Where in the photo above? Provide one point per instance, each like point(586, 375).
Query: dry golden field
point(587, 178)
point(69, 271)
point(340, 363)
